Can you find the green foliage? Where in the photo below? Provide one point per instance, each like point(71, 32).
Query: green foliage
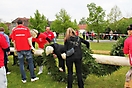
point(51, 66)
point(89, 66)
point(38, 60)
point(5, 27)
point(114, 15)
point(96, 18)
point(122, 25)
point(117, 49)
point(38, 22)
point(62, 22)
point(83, 21)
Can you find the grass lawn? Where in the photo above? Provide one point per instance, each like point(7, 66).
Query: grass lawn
point(106, 46)
point(115, 80)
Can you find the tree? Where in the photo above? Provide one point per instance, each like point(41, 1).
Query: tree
point(83, 21)
point(62, 22)
point(74, 25)
point(38, 22)
point(96, 18)
point(123, 24)
point(113, 17)
point(5, 27)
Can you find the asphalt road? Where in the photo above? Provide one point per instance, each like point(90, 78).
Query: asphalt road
point(61, 40)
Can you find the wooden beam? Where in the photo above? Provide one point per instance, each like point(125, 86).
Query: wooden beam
point(112, 60)
point(36, 52)
point(103, 59)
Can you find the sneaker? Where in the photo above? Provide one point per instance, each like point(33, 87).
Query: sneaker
point(8, 73)
point(24, 81)
point(39, 73)
point(34, 79)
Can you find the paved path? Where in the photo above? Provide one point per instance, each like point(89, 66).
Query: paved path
point(61, 40)
point(103, 41)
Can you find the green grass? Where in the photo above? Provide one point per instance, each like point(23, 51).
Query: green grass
point(101, 46)
point(115, 80)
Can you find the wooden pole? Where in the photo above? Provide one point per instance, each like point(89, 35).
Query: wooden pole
point(112, 60)
point(36, 52)
point(103, 59)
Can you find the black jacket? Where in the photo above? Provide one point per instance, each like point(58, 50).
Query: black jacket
point(57, 48)
point(78, 52)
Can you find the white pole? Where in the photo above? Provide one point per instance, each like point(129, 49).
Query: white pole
point(103, 59)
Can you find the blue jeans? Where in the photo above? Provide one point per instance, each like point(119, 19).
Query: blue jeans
point(28, 55)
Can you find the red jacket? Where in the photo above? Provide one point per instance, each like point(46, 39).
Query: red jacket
point(128, 48)
point(20, 35)
point(49, 34)
point(41, 40)
point(3, 45)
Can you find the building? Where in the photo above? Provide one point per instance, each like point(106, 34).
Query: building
point(82, 27)
point(25, 20)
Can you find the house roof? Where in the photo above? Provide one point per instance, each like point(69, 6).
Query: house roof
point(24, 19)
point(82, 26)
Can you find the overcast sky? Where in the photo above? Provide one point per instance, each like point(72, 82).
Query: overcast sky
point(11, 9)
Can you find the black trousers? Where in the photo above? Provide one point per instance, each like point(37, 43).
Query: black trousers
point(15, 59)
point(61, 62)
point(78, 64)
point(5, 61)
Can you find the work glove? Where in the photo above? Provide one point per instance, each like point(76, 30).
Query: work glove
point(63, 55)
point(32, 49)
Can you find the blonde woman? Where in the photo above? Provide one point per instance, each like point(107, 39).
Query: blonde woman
point(73, 41)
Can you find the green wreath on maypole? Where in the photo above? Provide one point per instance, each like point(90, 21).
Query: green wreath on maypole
point(89, 65)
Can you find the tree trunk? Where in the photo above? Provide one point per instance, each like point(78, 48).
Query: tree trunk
point(103, 59)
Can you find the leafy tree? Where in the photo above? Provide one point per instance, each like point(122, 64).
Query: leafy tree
point(83, 21)
point(113, 17)
point(74, 25)
point(123, 24)
point(96, 18)
point(62, 22)
point(38, 22)
point(5, 27)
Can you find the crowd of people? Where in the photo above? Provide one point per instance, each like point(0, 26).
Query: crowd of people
point(111, 35)
point(24, 40)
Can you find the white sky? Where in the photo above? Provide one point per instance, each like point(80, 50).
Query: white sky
point(11, 9)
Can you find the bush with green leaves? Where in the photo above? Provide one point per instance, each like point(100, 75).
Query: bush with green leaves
point(117, 49)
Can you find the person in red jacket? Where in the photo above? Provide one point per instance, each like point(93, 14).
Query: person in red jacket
point(3, 46)
point(21, 38)
point(49, 34)
point(41, 39)
point(128, 50)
